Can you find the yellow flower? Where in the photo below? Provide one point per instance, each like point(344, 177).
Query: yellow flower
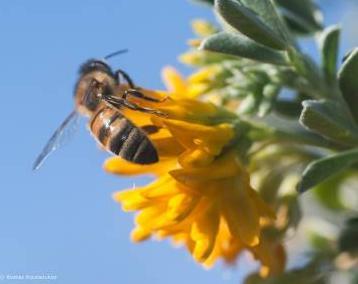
point(192, 88)
point(198, 57)
point(203, 28)
point(202, 196)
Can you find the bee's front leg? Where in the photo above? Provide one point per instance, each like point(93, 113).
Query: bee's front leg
point(129, 80)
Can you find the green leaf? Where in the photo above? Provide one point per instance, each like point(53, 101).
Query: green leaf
point(355, 276)
point(249, 104)
point(319, 241)
point(301, 16)
point(329, 49)
point(329, 119)
point(270, 183)
point(310, 273)
point(208, 2)
point(348, 239)
point(289, 130)
point(349, 83)
point(268, 13)
point(257, 19)
point(320, 170)
point(270, 93)
point(305, 66)
point(288, 108)
point(328, 192)
point(240, 45)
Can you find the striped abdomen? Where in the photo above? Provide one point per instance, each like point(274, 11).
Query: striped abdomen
point(121, 137)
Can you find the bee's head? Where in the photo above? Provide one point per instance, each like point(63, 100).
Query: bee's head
point(95, 65)
point(95, 78)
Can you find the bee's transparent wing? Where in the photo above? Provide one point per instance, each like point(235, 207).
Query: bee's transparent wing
point(62, 134)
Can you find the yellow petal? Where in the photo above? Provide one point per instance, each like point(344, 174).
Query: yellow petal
point(192, 110)
point(204, 74)
point(194, 42)
point(192, 57)
point(203, 28)
point(224, 167)
point(167, 148)
point(212, 138)
point(174, 82)
point(196, 157)
point(140, 234)
point(131, 200)
point(181, 205)
point(229, 247)
point(163, 187)
point(217, 133)
point(153, 218)
point(203, 233)
point(197, 90)
point(264, 209)
point(117, 165)
point(242, 216)
point(138, 198)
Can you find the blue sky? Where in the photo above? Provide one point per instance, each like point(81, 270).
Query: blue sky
point(62, 219)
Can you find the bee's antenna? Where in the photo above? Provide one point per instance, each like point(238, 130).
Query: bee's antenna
point(115, 53)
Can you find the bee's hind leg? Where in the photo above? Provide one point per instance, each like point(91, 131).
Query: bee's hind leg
point(142, 109)
point(119, 102)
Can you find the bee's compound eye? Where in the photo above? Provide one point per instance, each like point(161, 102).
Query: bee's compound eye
point(92, 100)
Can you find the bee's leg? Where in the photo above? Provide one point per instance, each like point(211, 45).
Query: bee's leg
point(143, 109)
point(118, 102)
point(119, 73)
point(138, 94)
point(150, 129)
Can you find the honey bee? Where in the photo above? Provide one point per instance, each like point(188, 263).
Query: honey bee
point(100, 96)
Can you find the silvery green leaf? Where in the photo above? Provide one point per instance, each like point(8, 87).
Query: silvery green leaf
point(268, 12)
point(239, 45)
point(207, 2)
point(257, 19)
point(302, 16)
point(329, 42)
point(320, 170)
point(270, 93)
point(306, 67)
point(290, 130)
point(329, 119)
point(348, 81)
